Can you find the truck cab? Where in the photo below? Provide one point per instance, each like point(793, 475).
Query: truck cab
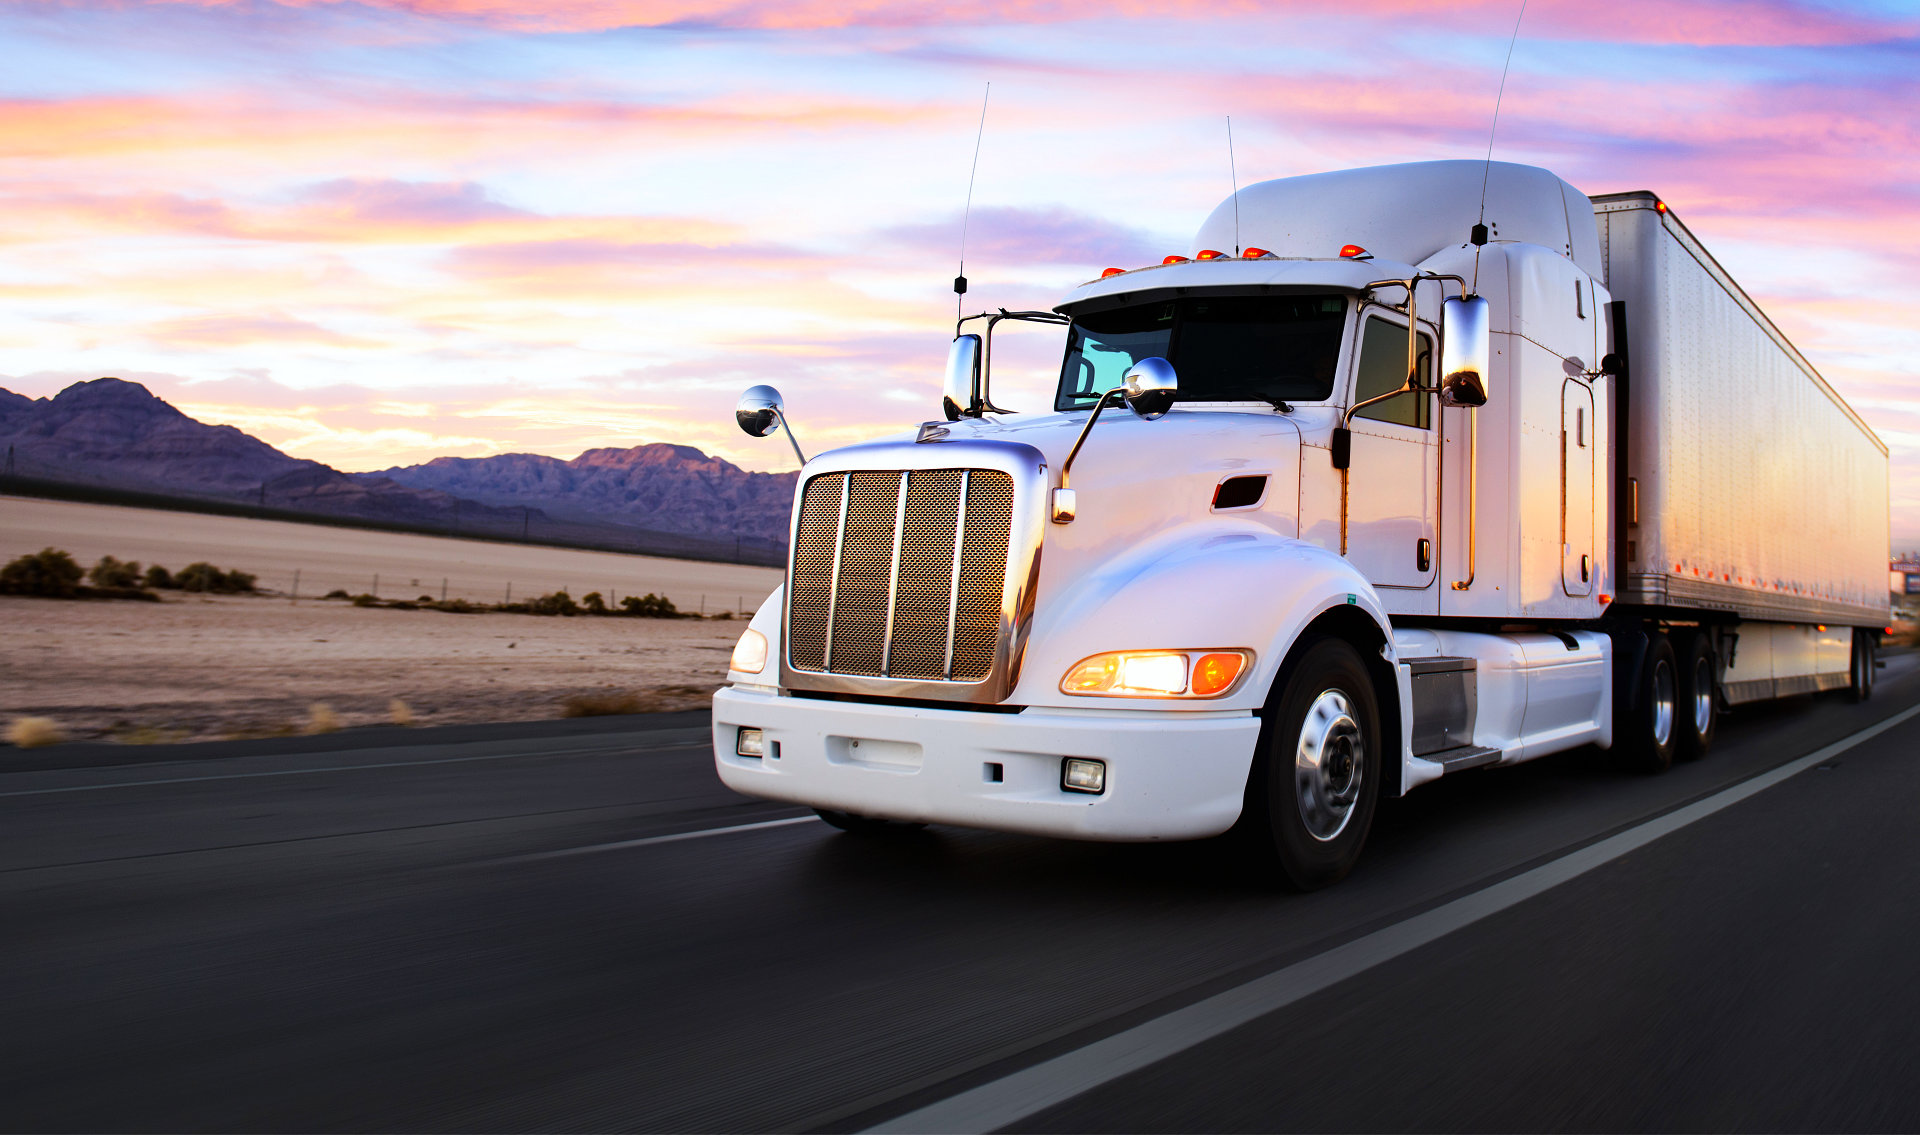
point(1321, 511)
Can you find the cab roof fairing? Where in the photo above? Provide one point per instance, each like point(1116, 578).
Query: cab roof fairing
point(1230, 277)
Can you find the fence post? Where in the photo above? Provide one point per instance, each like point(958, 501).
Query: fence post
point(703, 606)
point(443, 589)
point(376, 585)
point(509, 591)
point(296, 583)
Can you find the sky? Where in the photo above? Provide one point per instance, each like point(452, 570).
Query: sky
point(377, 232)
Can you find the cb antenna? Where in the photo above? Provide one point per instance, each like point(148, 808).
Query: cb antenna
point(1480, 226)
point(1234, 176)
point(966, 214)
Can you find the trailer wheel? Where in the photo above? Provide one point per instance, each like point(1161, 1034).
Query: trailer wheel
point(1860, 688)
point(1646, 734)
point(1316, 775)
point(1699, 707)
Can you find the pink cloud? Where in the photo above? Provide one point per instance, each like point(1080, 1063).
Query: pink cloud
point(1702, 22)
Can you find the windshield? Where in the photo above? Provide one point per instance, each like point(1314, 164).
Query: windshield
point(1224, 348)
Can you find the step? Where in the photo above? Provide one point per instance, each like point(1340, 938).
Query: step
point(1463, 757)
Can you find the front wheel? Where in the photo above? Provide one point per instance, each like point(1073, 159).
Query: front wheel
point(1316, 776)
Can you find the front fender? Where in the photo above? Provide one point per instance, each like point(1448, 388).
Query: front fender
point(1207, 585)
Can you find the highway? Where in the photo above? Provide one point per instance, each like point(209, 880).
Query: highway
point(573, 926)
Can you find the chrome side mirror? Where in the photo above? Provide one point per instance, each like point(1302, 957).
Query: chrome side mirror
point(1466, 350)
point(760, 411)
point(1150, 387)
point(960, 396)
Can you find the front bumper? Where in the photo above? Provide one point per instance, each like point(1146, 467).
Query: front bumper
point(1170, 775)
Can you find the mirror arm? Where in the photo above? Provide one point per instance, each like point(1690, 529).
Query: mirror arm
point(1107, 399)
point(791, 440)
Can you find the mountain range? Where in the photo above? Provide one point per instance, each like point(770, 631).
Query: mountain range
point(110, 434)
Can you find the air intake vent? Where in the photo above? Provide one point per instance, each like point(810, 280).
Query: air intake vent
point(900, 574)
point(1239, 492)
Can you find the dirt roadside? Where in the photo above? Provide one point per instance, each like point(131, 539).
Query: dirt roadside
point(207, 667)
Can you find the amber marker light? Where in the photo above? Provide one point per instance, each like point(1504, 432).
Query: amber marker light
point(1157, 674)
point(750, 653)
point(1111, 272)
point(1354, 252)
point(1255, 254)
point(1210, 254)
point(1176, 258)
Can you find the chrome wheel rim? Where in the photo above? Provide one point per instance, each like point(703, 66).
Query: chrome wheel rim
point(1663, 703)
point(1329, 763)
point(1702, 696)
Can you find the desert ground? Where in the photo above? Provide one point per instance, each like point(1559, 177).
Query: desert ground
point(196, 667)
point(205, 667)
point(392, 565)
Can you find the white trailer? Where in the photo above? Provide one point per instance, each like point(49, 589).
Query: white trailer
point(1311, 566)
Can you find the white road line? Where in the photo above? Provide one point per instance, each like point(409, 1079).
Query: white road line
point(1014, 1097)
point(653, 839)
point(344, 768)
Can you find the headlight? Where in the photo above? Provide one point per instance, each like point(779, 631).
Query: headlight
point(1157, 673)
point(750, 653)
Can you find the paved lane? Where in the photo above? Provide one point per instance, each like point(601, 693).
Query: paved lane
point(362, 939)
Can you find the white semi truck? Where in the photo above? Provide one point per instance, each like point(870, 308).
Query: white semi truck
point(1400, 495)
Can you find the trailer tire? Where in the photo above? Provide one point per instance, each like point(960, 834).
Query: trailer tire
point(1647, 730)
point(1860, 686)
point(1698, 707)
point(1317, 768)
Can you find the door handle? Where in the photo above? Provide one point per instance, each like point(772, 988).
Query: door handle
point(1423, 554)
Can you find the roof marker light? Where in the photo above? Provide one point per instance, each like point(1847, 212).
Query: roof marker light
point(1175, 259)
point(1210, 254)
point(1111, 272)
point(1256, 254)
point(1659, 206)
point(1354, 252)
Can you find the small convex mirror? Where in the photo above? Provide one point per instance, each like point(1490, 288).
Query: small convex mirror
point(1150, 385)
point(960, 395)
point(759, 410)
point(1466, 350)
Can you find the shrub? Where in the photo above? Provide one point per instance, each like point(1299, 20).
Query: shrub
point(365, 601)
point(337, 593)
point(49, 572)
point(600, 704)
point(454, 606)
point(424, 599)
point(159, 577)
point(557, 603)
point(400, 713)
point(321, 718)
point(593, 604)
point(205, 577)
point(110, 572)
point(649, 606)
point(33, 732)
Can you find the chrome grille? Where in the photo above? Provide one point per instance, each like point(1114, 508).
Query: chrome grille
point(900, 574)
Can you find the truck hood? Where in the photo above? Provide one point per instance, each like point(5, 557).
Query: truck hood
point(1143, 485)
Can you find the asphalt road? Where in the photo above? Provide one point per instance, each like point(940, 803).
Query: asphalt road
point(577, 928)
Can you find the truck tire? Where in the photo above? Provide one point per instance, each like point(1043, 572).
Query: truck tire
point(1317, 768)
point(1646, 731)
point(1860, 687)
point(1698, 708)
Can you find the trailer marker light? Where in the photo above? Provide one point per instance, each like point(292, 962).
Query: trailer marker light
point(750, 743)
point(1176, 258)
point(1213, 673)
point(1354, 252)
point(1210, 254)
point(1255, 254)
point(1079, 775)
point(1659, 206)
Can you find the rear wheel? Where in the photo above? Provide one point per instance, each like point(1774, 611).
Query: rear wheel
point(1699, 709)
point(1860, 688)
point(1645, 732)
point(1316, 777)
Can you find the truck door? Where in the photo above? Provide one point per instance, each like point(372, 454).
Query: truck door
point(1391, 486)
point(1577, 559)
